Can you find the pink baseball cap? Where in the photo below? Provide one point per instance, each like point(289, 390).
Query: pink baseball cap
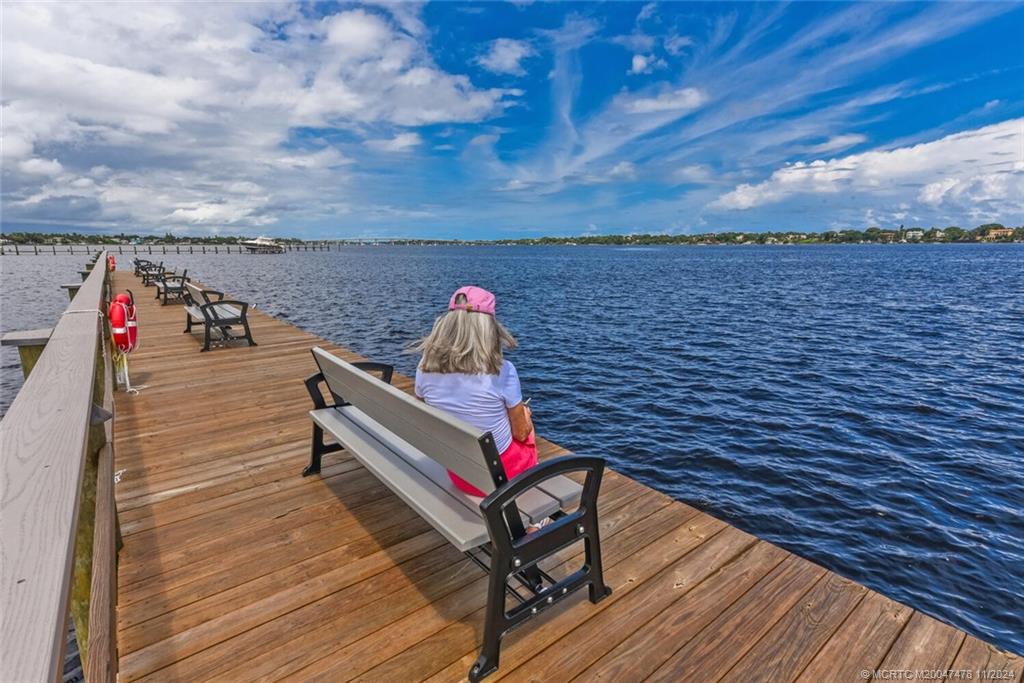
point(478, 300)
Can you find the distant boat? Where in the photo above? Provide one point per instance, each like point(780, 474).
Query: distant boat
point(263, 245)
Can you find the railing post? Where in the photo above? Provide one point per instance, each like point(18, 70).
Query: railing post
point(30, 344)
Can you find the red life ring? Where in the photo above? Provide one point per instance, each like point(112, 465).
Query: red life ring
point(111, 263)
point(124, 327)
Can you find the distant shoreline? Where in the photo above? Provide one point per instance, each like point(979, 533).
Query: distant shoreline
point(988, 233)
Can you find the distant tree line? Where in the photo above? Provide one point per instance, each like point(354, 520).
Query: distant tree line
point(994, 232)
point(990, 232)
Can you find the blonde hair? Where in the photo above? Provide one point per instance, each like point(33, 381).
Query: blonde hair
point(464, 342)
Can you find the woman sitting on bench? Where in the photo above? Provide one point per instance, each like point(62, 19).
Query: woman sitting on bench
point(463, 372)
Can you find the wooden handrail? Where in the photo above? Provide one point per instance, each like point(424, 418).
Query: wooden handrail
point(43, 442)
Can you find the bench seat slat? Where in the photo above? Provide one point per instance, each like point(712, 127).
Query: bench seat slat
point(563, 489)
point(464, 529)
point(534, 504)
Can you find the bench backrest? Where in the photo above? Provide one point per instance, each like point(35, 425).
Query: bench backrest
point(195, 293)
point(448, 440)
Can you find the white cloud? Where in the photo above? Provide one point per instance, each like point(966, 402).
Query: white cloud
point(964, 170)
point(838, 143)
point(681, 100)
point(638, 41)
point(675, 44)
point(156, 110)
point(692, 173)
point(505, 56)
point(624, 170)
point(357, 34)
point(400, 143)
point(643, 64)
point(47, 167)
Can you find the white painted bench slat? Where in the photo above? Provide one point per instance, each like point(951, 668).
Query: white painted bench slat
point(450, 441)
point(463, 529)
point(534, 504)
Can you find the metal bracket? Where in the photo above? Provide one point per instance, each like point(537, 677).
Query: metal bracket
point(99, 415)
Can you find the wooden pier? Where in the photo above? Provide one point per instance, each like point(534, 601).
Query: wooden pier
point(234, 567)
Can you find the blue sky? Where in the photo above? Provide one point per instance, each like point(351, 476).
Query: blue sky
point(480, 120)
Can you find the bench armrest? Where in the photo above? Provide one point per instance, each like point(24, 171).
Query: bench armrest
point(208, 292)
point(313, 383)
point(514, 552)
point(494, 504)
point(313, 387)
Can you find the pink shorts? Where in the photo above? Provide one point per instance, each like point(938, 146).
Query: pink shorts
point(517, 458)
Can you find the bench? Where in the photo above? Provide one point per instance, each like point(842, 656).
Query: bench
point(215, 314)
point(152, 272)
point(171, 287)
point(139, 264)
point(408, 445)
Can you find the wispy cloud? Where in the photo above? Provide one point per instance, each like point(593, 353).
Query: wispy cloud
point(400, 143)
point(505, 56)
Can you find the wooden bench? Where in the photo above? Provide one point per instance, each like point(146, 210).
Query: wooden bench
point(215, 314)
point(171, 287)
point(408, 446)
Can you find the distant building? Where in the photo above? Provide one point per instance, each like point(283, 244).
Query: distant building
point(938, 235)
point(999, 233)
point(886, 236)
point(914, 235)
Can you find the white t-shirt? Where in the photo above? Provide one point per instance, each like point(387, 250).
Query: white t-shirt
point(481, 400)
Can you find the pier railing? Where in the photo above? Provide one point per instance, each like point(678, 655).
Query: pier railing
point(151, 249)
point(58, 528)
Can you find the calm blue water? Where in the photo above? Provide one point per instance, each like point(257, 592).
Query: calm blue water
point(860, 406)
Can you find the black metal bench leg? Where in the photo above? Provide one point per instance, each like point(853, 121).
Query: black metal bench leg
point(317, 449)
point(206, 338)
point(599, 590)
point(188, 324)
point(494, 625)
point(248, 333)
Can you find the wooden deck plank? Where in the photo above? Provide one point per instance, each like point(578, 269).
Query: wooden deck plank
point(925, 644)
point(237, 568)
point(861, 642)
point(986, 662)
point(789, 646)
point(640, 650)
point(719, 645)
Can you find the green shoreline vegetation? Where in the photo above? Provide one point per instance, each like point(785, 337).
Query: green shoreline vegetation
point(990, 232)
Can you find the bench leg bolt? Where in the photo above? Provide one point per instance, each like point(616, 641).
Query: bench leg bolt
point(517, 562)
point(533, 610)
point(580, 529)
point(550, 599)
